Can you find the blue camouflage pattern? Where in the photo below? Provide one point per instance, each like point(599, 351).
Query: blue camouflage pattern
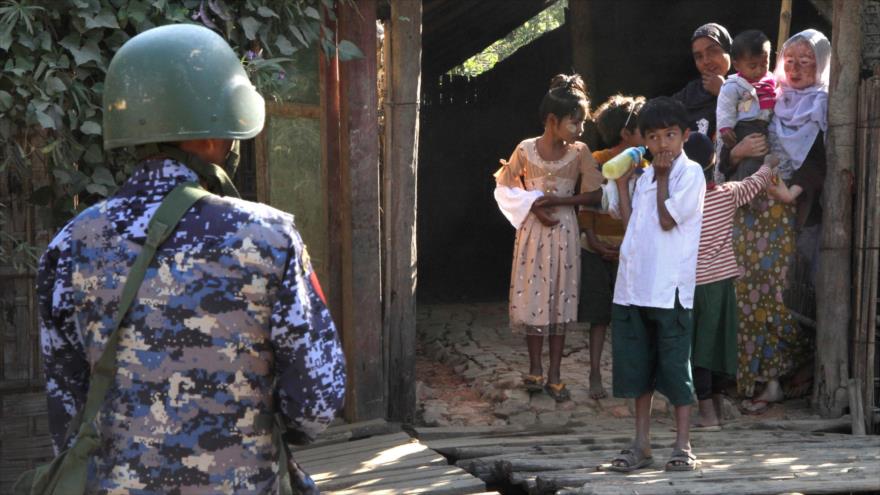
point(229, 326)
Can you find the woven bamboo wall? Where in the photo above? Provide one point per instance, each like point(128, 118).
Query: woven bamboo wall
point(866, 242)
point(24, 438)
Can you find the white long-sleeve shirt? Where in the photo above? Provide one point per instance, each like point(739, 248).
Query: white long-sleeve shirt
point(655, 263)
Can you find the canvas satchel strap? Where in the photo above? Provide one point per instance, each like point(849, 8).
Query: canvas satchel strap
point(73, 469)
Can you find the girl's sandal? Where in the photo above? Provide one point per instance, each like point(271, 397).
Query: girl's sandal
point(533, 383)
point(558, 391)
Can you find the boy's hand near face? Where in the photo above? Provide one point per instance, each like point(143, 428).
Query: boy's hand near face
point(662, 164)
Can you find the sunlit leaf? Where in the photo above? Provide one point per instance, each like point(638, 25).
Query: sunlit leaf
point(311, 12)
point(90, 127)
point(45, 120)
point(266, 11)
point(99, 189)
point(5, 100)
point(250, 26)
point(348, 51)
point(102, 175)
point(105, 19)
point(284, 45)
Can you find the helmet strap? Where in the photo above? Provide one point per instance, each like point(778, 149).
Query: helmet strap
point(217, 180)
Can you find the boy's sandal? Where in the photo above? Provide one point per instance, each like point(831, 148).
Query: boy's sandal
point(558, 391)
point(681, 460)
point(629, 460)
point(533, 383)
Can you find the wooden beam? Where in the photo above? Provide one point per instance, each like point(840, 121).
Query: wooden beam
point(261, 157)
point(834, 282)
point(329, 82)
point(404, 45)
point(784, 23)
point(294, 110)
point(361, 237)
point(583, 46)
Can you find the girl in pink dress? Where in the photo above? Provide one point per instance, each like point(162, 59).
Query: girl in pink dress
point(538, 190)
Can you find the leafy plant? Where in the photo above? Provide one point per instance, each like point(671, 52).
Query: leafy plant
point(54, 55)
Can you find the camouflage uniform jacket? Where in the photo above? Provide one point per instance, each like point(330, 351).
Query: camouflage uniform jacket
point(229, 324)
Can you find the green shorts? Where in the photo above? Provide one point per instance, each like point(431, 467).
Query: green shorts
point(597, 288)
point(651, 350)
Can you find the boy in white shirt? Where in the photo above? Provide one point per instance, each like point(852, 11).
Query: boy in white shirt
point(651, 319)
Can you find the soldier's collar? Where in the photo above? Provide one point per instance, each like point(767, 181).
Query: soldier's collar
point(215, 177)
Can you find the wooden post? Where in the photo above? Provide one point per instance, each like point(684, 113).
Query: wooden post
point(784, 23)
point(582, 42)
point(328, 69)
point(361, 268)
point(834, 285)
point(404, 43)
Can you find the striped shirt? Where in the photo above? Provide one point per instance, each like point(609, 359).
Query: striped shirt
point(715, 259)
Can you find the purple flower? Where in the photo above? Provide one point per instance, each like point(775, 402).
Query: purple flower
point(281, 75)
point(250, 55)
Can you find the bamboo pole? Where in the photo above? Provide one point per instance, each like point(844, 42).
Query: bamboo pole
point(834, 284)
point(784, 23)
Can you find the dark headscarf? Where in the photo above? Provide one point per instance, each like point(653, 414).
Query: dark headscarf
point(716, 33)
point(699, 103)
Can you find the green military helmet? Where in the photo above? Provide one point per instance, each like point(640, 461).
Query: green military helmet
point(175, 83)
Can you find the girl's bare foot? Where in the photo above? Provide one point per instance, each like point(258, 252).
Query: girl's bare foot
point(708, 417)
point(597, 391)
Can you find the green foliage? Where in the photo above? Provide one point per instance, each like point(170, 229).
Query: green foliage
point(547, 20)
point(19, 254)
point(54, 54)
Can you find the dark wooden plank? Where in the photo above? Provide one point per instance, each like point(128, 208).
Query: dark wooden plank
point(416, 473)
point(345, 467)
point(329, 83)
point(401, 165)
point(261, 158)
point(352, 431)
point(756, 487)
point(380, 441)
point(361, 258)
point(443, 486)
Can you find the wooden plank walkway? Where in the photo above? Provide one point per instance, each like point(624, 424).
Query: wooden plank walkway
point(746, 461)
point(389, 463)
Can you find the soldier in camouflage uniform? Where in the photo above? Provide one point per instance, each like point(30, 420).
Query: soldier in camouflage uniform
point(229, 325)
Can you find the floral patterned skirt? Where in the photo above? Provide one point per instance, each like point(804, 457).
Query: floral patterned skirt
point(545, 277)
point(770, 342)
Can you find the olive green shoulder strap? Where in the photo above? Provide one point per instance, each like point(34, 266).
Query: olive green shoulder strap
point(73, 469)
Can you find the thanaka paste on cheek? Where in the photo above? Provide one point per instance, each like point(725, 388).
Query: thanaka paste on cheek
point(571, 128)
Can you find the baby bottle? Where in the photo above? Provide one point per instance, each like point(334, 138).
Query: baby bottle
point(620, 164)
